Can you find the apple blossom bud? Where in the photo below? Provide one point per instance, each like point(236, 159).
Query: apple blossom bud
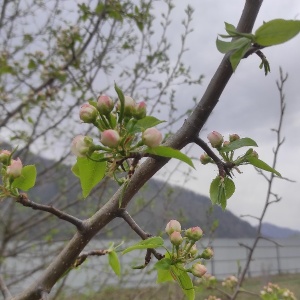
point(193, 250)
point(194, 233)
point(105, 105)
point(81, 145)
point(88, 113)
point(176, 238)
point(234, 137)
point(226, 143)
point(140, 110)
point(110, 138)
point(4, 156)
point(152, 137)
point(173, 226)
point(215, 138)
point(254, 154)
point(198, 270)
point(208, 253)
point(205, 159)
point(129, 106)
point(15, 168)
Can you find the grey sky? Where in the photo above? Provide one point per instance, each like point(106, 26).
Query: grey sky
point(249, 106)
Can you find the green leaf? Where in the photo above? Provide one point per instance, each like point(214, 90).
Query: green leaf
point(237, 55)
point(27, 179)
point(221, 190)
point(142, 124)
point(170, 152)
point(276, 32)
point(114, 262)
point(262, 165)
point(163, 276)
point(243, 142)
point(163, 264)
point(90, 173)
point(151, 243)
point(230, 29)
point(75, 170)
point(184, 281)
point(122, 103)
point(225, 47)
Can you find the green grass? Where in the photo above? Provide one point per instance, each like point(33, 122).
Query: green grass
point(172, 291)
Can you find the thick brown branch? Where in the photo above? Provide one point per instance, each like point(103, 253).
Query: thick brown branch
point(23, 199)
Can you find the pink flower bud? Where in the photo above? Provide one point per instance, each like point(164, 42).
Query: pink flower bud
point(110, 138)
point(4, 156)
point(198, 270)
point(254, 154)
point(105, 105)
point(208, 253)
point(81, 145)
point(176, 238)
point(234, 137)
point(15, 168)
point(152, 137)
point(140, 110)
point(194, 233)
point(172, 226)
point(205, 159)
point(88, 113)
point(226, 143)
point(216, 139)
point(193, 250)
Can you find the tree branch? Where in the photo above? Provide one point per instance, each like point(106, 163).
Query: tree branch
point(4, 289)
point(23, 199)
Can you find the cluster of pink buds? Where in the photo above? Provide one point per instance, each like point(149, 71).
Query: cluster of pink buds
point(12, 167)
point(121, 132)
point(185, 249)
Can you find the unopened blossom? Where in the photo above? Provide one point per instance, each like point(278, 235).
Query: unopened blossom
point(81, 145)
point(152, 137)
point(15, 168)
point(205, 159)
point(172, 226)
point(208, 253)
point(234, 137)
point(88, 113)
point(129, 106)
point(110, 138)
point(140, 110)
point(176, 238)
point(215, 138)
point(198, 270)
point(4, 156)
point(194, 233)
point(105, 105)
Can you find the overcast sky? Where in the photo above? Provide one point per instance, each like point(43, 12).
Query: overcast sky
point(249, 106)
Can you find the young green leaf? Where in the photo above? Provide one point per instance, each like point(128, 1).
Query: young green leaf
point(75, 170)
point(151, 243)
point(243, 142)
point(163, 264)
point(225, 47)
point(122, 103)
point(114, 262)
point(163, 276)
point(90, 173)
point(27, 179)
point(237, 55)
point(262, 165)
point(171, 153)
point(142, 124)
point(184, 281)
point(276, 32)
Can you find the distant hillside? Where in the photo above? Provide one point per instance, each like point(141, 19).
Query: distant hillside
point(152, 208)
point(276, 232)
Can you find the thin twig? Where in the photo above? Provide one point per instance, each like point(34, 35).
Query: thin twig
point(23, 199)
point(84, 255)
